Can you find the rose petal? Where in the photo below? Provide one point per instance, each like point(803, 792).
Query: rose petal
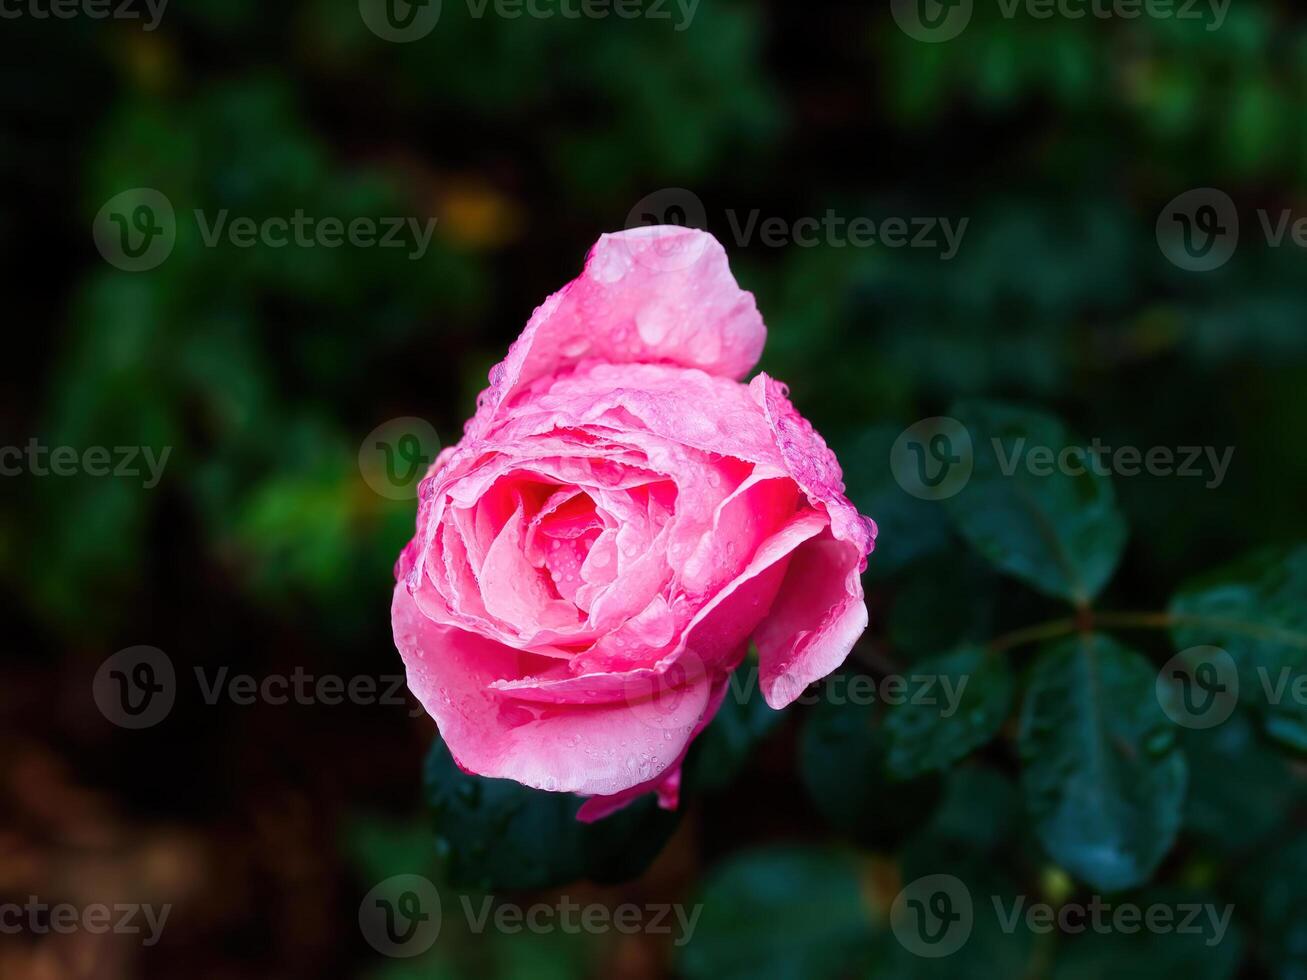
point(684, 308)
point(813, 466)
point(814, 621)
point(741, 523)
point(668, 784)
point(593, 750)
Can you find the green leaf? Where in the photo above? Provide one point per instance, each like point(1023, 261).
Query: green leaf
point(1204, 950)
point(980, 809)
point(777, 915)
point(921, 625)
point(1102, 776)
point(1060, 533)
point(842, 760)
point(1256, 611)
point(1279, 887)
point(971, 693)
point(1235, 814)
point(498, 834)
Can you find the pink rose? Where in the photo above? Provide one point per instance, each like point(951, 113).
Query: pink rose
point(620, 518)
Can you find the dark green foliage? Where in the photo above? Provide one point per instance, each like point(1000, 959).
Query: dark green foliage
point(499, 835)
point(1055, 527)
point(1256, 610)
point(1103, 778)
point(781, 914)
point(958, 709)
point(843, 759)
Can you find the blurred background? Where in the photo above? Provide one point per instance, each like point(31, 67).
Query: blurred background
point(1052, 146)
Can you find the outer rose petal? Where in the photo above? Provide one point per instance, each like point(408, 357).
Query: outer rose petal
point(592, 749)
point(816, 618)
point(813, 466)
point(651, 295)
point(819, 612)
point(667, 785)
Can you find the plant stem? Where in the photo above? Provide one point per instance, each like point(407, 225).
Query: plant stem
point(1034, 634)
point(1084, 621)
point(1087, 620)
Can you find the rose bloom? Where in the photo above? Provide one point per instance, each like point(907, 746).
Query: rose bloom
point(622, 516)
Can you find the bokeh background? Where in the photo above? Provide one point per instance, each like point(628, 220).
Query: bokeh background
point(265, 547)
